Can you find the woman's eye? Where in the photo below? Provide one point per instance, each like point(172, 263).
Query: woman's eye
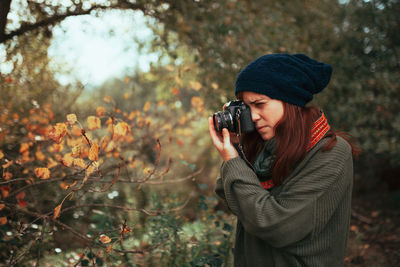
point(259, 104)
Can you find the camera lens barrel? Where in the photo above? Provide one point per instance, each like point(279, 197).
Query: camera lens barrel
point(223, 119)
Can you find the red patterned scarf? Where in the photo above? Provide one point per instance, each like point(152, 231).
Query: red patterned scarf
point(319, 129)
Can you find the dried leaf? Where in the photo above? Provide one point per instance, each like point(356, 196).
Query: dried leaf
point(146, 106)
point(5, 190)
point(2, 206)
point(195, 85)
point(58, 132)
point(197, 103)
point(107, 99)
point(57, 211)
point(7, 176)
point(22, 203)
point(105, 239)
point(71, 118)
point(42, 173)
point(80, 163)
point(93, 123)
point(24, 147)
point(20, 195)
point(1, 154)
point(8, 164)
point(121, 129)
point(100, 112)
point(175, 91)
point(67, 160)
point(94, 152)
point(127, 95)
point(3, 220)
point(109, 248)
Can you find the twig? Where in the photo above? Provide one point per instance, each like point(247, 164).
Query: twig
point(155, 166)
point(361, 218)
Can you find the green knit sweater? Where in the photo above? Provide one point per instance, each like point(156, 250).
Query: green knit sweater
point(303, 222)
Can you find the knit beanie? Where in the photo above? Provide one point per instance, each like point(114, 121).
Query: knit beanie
point(290, 78)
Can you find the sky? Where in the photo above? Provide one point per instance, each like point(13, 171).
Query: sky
point(91, 48)
point(98, 48)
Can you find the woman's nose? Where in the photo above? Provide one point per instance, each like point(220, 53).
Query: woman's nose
point(254, 116)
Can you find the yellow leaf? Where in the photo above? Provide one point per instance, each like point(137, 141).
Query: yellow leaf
point(146, 106)
point(100, 111)
point(178, 80)
point(58, 132)
point(121, 129)
point(3, 220)
point(67, 160)
point(93, 122)
point(57, 211)
point(105, 239)
point(1, 154)
point(107, 99)
point(169, 67)
point(94, 152)
point(214, 86)
point(71, 118)
point(80, 163)
point(195, 85)
point(197, 103)
point(127, 95)
point(42, 173)
point(40, 156)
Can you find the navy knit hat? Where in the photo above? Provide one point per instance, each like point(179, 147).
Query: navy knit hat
point(290, 78)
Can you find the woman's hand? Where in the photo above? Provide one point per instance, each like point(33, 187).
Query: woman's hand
point(222, 142)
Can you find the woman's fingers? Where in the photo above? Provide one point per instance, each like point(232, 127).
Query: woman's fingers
point(217, 140)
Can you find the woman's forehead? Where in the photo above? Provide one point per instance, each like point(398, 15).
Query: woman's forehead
point(252, 96)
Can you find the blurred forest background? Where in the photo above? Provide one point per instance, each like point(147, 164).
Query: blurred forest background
point(122, 173)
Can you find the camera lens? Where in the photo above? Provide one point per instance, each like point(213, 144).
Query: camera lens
point(223, 119)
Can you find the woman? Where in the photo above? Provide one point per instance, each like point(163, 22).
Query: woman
point(291, 186)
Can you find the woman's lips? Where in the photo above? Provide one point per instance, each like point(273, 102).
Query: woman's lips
point(260, 128)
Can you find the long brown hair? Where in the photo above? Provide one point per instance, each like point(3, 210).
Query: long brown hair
point(293, 137)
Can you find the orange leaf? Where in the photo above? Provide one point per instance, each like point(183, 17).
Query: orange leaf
point(58, 132)
point(7, 175)
point(105, 239)
point(67, 160)
point(121, 129)
point(198, 103)
point(100, 111)
point(195, 85)
point(71, 118)
point(175, 91)
point(8, 164)
point(127, 95)
point(80, 163)
point(2, 206)
point(3, 220)
point(65, 186)
point(42, 173)
point(24, 147)
point(94, 152)
point(93, 122)
point(5, 190)
point(40, 156)
point(107, 99)
point(109, 248)
point(146, 106)
point(57, 211)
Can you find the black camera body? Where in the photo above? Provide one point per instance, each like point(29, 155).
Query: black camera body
point(236, 117)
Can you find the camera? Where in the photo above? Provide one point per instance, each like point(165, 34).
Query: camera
point(236, 117)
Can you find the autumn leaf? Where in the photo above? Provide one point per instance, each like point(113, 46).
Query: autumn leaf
point(94, 152)
point(67, 160)
point(195, 85)
point(80, 163)
point(107, 99)
point(197, 103)
point(175, 91)
point(8, 164)
point(20, 195)
point(1, 154)
point(65, 186)
point(100, 112)
point(109, 248)
point(105, 239)
point(23, 148)
point(7, 175)
point(40, 156)
point(214, 86)
point(71, 118)
point(93, 123)
point(127, 95)
point(57, 211)
point(22, 203)
point(146, 106)
point(5, 190)
point(42, 173)
point(121, 129)
point(58, 132)
point(3, 220)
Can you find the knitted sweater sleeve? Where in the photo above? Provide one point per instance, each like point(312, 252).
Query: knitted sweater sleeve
point(318, 182)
